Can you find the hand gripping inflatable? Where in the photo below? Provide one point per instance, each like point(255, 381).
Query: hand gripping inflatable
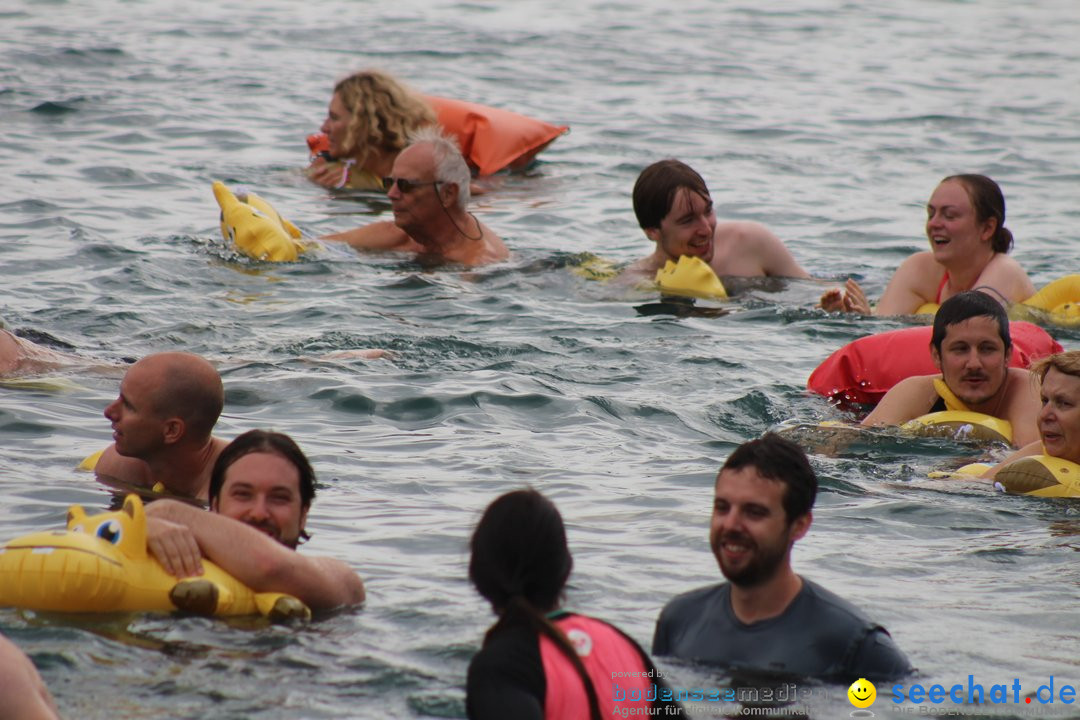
point(862, 371)
point(255, 228)
point(1041, 476)
point(692, 277)
point(100, 564)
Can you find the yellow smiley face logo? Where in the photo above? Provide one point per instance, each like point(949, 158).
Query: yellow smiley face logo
point(862, 693)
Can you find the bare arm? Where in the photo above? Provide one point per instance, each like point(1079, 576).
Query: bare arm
point(912, 285)
point(1023, 408)
point(112, 464)
point(260, 562)
point(22, 690)
point(376, 236)
point(9, 352)
point(909, 398)
point(776, 259)
point(1005, 280)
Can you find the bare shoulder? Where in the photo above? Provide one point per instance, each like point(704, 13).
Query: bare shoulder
point(922, 261)
point(1021, 375)
point(753, 249)
point(1004, 274)
point(907, 399)
point(1022, 383)
point(920, 273)
point(745, 232)
point(9, 352)
point(918, 385)
point(349, 587)
point(1006, 263)
point(113, 465)
point(496, 248)
point(21, 687)
point(218, 445)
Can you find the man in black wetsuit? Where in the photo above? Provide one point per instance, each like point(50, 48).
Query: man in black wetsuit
point(767, 617)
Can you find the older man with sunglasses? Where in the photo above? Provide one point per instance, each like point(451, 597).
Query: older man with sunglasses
point(429, 193)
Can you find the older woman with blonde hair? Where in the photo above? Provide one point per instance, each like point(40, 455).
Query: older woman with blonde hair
point(370, 119)
point(1058, 420)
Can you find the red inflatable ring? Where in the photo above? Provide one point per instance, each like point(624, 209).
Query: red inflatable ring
point(861, 372)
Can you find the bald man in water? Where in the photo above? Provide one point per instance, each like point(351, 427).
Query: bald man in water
point(162, 423)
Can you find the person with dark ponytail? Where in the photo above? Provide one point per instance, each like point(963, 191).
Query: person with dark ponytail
point(965, 223)
point(538, 661)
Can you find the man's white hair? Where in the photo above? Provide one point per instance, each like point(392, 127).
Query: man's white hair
point(450, 166)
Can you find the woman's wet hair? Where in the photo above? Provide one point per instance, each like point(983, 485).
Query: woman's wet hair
point(989, 202)
point(382, 113)
point(264, 441)
point(520, 563)
point(656, 186)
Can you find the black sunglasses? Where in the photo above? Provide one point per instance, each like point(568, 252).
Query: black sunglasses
point(404, 185)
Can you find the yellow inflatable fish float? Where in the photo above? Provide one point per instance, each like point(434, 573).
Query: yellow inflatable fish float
point(100, 564)
point(255, 227)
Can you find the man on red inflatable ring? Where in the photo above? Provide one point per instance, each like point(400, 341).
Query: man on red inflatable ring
point(971, 346)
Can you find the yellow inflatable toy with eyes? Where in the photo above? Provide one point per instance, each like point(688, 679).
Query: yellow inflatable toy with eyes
point(255, 228)
point(100, 564)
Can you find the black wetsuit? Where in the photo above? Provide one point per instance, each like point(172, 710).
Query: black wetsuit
point(818, 635)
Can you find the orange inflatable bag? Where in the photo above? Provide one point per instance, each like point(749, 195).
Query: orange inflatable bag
point(492, 139)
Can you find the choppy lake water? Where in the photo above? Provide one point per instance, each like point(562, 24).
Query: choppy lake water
point(830, 122)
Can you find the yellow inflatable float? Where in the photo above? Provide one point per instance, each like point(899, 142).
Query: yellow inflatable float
point(1058, 303)
point(1036, 475)
point(1041, 476)
point(690, 277)
point(255, 228)
point(101, 564)
point(961, 425)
